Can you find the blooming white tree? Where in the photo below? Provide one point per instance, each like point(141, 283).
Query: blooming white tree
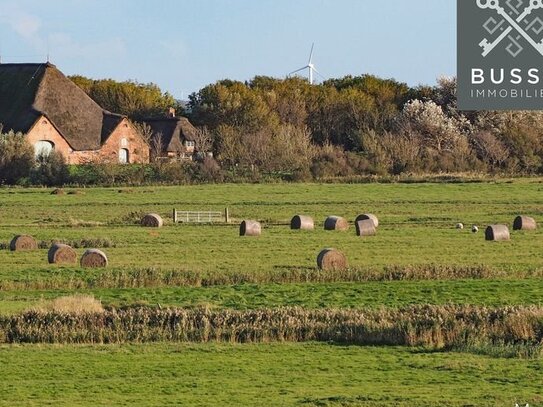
point(427, 119)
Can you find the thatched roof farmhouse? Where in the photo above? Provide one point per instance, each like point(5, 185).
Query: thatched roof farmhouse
point(176, 135)
point(54, 113)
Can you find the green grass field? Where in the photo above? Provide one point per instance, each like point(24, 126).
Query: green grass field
point(416, 231)
point(261, 375)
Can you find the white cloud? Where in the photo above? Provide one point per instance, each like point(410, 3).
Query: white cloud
point(26, 25)
point(60, 45)
point(64, 45)
point(175, 48)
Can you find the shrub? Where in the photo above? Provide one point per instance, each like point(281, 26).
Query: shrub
point(50, 170)
point(16, 158)
point(210, 171)
point(329, 162)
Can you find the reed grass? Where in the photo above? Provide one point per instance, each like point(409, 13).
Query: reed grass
point(75, 243)
point(77, 304)
point(438, 327)
point(159, 278)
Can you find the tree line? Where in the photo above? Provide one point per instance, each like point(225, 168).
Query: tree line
point(362, 125)
point(348, 126)
point(289, 129)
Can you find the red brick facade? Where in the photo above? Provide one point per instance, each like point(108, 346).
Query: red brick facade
point(124, 137)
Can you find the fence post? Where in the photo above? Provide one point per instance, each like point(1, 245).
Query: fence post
point(174, 215)
point(226, 215)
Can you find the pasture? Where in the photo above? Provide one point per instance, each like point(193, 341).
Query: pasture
point(417, 257)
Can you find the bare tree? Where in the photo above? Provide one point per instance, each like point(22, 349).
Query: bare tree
point(145, 131)
point(156, 147)
point(203, 140)
point(489, 148)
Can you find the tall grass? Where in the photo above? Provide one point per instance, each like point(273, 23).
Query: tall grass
point(75, 243)
point(159, 278)
point(73, 304)
point(438, 327)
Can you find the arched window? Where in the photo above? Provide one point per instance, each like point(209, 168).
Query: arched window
point(124, 142)
point(123, 156)
point(43, 147)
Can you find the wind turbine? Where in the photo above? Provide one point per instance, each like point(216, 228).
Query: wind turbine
point(310, 66)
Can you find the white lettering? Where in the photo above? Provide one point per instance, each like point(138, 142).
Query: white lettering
point(477, 76)
point(493, 76)
point(516, 78)
point(534, 77)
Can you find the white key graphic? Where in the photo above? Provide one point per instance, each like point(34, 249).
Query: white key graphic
point(513, 24)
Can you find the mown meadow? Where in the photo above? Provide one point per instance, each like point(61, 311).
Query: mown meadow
point(417, 259)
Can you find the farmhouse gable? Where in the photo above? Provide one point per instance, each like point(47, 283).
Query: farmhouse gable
point(54, 113)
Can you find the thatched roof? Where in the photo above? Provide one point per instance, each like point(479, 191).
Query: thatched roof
point(110, 123)
point(173, 131)
point(28, 91)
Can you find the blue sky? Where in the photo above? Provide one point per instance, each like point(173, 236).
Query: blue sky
point(182, 45)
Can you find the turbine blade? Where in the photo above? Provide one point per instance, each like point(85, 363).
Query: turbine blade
point(311, 54)
point(298, 70)
point(318, 73)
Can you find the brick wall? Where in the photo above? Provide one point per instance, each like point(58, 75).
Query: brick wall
point(125, 137)
point(43, 130)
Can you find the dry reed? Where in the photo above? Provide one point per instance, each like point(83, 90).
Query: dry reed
point(157, 278)
point(440, 327)
point(71, 305)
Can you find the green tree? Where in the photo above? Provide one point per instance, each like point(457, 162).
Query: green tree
point(135, 100)
point(231, 103)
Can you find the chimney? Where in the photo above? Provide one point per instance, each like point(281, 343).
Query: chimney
point(171, 112)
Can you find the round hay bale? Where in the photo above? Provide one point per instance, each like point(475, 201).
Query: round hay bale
point(497, 233)
point(365, 227)
point(61, 254)
point(58, 191)
point(23, 242)
point(459, 226)
point(152, 220)
point(331, 259)
point(474, 229)
point(302, 222)
point(250, 228)
point(336, 223)
point(524, 223)
point(94, 258)
point(367, 216)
